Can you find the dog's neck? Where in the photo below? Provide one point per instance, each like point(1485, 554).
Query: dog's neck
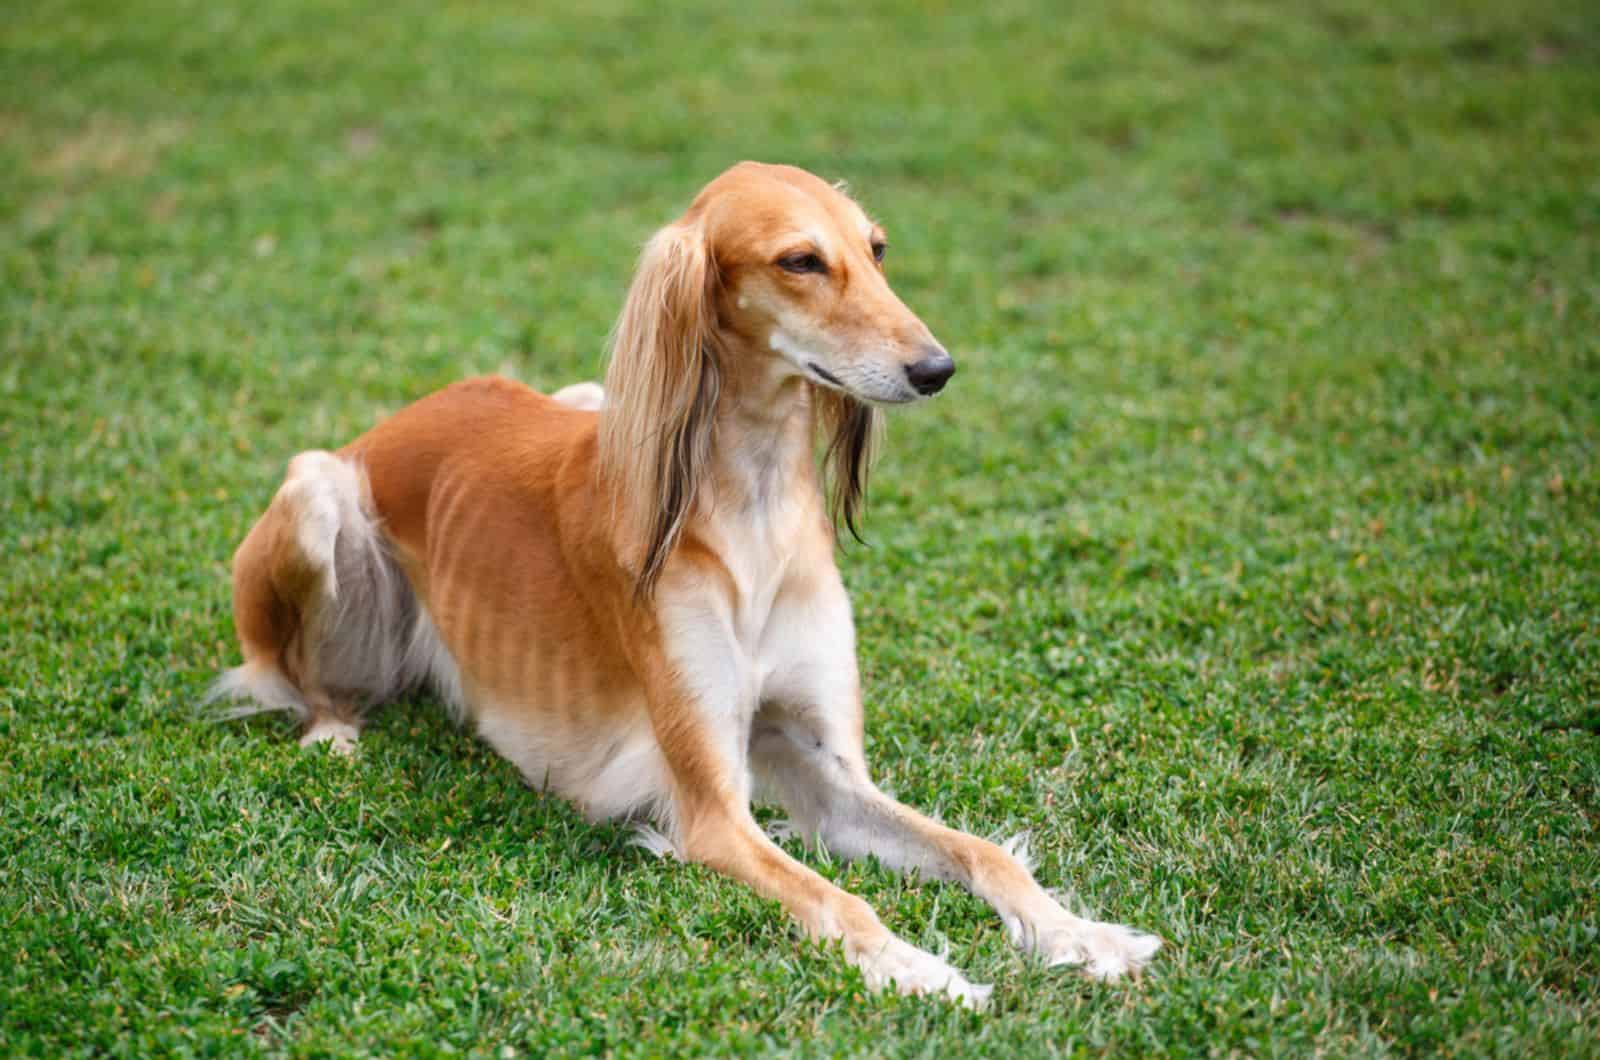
point(765, 424)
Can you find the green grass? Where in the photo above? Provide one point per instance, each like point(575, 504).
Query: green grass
point(1250, 561)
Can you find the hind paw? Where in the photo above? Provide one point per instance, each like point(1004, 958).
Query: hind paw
point(339, 734)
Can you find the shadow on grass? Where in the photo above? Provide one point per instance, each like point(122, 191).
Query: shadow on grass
point(424, 780)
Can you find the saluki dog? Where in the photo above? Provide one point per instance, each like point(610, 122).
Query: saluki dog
point(631, 592)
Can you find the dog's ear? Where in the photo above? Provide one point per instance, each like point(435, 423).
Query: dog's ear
point(661, 395)
point(851, 427)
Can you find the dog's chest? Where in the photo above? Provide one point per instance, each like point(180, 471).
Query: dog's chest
point(757, 615)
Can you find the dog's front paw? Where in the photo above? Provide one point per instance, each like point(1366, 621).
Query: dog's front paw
point(909, 970)
point(1104, 951)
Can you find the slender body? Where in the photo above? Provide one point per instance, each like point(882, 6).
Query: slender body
point(630, 593)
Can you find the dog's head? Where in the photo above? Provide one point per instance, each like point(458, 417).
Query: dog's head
point(798, 274)
point(771, 275)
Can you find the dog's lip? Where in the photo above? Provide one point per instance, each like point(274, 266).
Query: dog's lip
point(838, 384)
point(825, 375)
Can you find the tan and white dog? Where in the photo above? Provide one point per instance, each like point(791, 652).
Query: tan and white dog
point(631, 593)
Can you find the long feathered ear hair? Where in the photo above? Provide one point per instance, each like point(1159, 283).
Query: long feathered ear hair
point(661, 395)
point(852, 428)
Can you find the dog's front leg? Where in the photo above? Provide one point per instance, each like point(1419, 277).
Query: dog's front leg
point(829, 798)
point(701, 704)
point(806, 744)
point(726, 838)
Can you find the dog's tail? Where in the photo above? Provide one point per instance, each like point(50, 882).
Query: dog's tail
point(252, 689)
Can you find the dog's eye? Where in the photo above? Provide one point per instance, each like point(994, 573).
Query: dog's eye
point(878, 250)
point(802, 263)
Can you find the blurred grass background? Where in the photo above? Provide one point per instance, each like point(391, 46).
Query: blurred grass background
point(1250, 560)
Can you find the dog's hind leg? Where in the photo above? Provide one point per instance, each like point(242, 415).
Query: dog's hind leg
point(323, 614)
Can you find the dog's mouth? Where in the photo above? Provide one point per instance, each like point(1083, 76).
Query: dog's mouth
point(825, 375)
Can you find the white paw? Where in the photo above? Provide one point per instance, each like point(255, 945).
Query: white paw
point(340, 734)
point(1104, 951)
point(909, 970)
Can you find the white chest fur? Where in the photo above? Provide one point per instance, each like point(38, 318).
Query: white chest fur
point(784, 634)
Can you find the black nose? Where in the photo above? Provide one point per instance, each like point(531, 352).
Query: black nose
point(929, 375)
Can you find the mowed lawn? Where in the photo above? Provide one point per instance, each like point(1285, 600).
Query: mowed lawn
point(1249, 562)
